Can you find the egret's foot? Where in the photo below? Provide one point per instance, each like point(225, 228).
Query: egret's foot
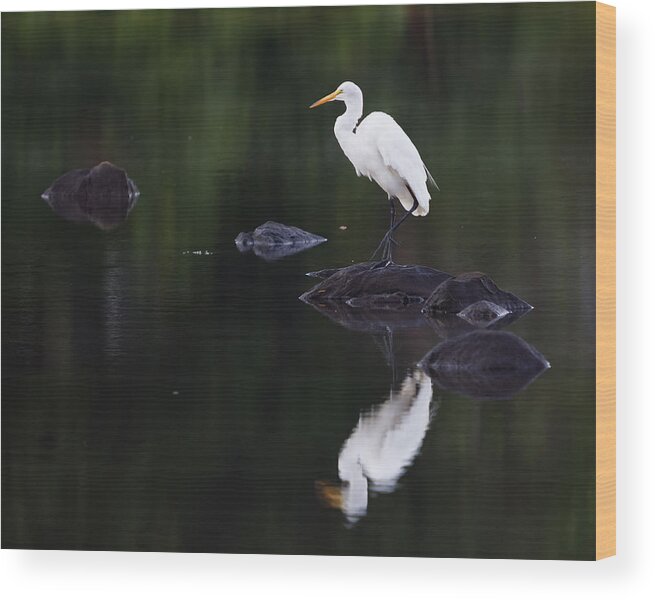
point(381, 264)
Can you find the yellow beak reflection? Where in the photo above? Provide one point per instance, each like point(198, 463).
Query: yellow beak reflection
point(329, 494)
point(325, 99)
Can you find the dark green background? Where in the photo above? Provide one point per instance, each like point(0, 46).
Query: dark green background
point(207, 111)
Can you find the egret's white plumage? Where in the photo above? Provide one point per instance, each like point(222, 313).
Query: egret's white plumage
point(379, 149)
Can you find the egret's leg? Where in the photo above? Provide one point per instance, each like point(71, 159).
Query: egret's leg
point(385, 244)
point(381, 246)
point(409, 212)
point(389, 234)
point(389, 238)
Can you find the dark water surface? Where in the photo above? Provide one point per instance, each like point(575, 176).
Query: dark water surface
point(157, 399)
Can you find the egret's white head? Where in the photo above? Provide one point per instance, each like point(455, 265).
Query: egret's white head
point(346, 91)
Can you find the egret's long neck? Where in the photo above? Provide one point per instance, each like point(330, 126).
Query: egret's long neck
point(346, 123)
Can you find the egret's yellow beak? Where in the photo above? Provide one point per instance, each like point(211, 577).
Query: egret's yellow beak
point(327, 98)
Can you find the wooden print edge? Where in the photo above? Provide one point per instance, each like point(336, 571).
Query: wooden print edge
point(605, 280)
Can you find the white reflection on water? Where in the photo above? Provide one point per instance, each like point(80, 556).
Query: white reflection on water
point(381, 448)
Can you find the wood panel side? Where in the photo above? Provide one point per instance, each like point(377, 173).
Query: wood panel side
point(605, 280)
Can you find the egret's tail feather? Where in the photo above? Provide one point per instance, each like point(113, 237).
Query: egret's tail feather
point(421, 210)
point(431, 179)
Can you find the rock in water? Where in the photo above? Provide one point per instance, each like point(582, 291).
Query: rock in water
point(458, 294)
point(272, 240)
point(377, 285)
point(484, 364)
point(103, 195)
point(483, 313)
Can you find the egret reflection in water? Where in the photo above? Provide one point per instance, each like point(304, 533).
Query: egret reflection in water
point(381, 448)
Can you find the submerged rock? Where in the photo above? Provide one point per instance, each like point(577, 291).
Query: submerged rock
point(377, 285)
point(483, 313)
point(325, 273)
point(103, 195)
point(484, 364)
point(272, 241)
point(457, 294)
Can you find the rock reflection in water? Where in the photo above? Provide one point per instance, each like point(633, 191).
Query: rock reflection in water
point(383, 324)
point(448, 325)
point(381, 448)
point(103, 196)
point(484, 364)
point(389, 320)
point(371, 320)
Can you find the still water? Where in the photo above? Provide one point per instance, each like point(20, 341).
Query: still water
point(162, 391)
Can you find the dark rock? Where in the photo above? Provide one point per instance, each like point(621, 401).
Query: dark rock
point(244, 241)
point(272, 241)
point(377, 285)
point(103, 195)
point(484, 364)
point(458, 293)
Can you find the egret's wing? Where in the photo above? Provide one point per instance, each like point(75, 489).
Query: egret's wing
point(398, 153)
point(395, 147)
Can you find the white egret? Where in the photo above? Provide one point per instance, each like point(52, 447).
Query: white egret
point(379, 149)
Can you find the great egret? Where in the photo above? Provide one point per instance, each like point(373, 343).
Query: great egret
point(379, 149)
